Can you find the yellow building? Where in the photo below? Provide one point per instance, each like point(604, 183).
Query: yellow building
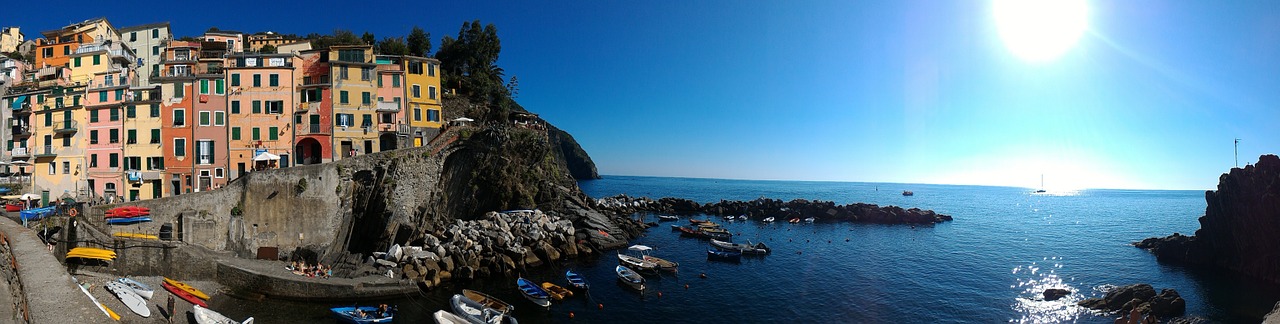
point(354, 89)
point(58, 144)
point(422, 97)
point(145, 151)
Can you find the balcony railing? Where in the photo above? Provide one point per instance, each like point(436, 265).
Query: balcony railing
point(21, 130)
point(47, 151)
point(315, 80)
point(19, 152)
point(311, 129)
point(307, 106)
point(65, 127)
point(178, 58)
point(388, 106)
point(25, 109)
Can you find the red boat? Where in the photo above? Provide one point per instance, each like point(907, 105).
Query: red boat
point(184, 295)
point(13, 206)
point(128, 211)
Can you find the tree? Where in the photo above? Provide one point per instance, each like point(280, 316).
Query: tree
point(513, 87)
point(368, 38)
point(268, 49)
point(213, 30)
point(419, 42)
point(393, 46)
point(469, 62)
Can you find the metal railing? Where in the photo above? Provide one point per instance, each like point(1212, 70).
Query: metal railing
point(388, 106)
point(47, 151)
point(19, 152)
point(311, 129)
point(66, 126)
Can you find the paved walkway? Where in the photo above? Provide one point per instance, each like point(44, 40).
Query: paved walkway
point(270, 278)
point(51, 296)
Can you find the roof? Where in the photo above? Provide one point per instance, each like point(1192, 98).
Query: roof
point(146, 26)
point(74, 26)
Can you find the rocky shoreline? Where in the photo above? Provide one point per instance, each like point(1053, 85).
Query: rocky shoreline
point(762, 208)
point(1138, 303)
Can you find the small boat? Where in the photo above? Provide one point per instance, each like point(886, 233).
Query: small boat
point(794, 220)
point(363, 314)
point(698, 221)
point(908, 193)
point(768, 219)
point(667, 218)
point(208, 316)
point(105, 310)
point(13, 206)
point(187, 288)
point(729, 256)
point(533, 293)
point(638, 264)
point(630, 277)
point(576, 280)
point(685, 231)
point(743, 217)
point(758, 248)
point(810, 220)
point(136, 236)
point(557, 292)
point(443, 317)
point(476, 312)
point(488, 301)
point(128, 220)
point(130, 299)
point(184, 295)
point(645, 253)
point(730, 218)
point(138, 287)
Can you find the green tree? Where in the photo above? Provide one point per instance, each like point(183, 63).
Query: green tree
point(393, 46)
point(268, 49)
point(368, 38)
point(513, 87)
point(469, 62)
point(419, 42)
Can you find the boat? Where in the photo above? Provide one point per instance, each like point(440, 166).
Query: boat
point(768, 219)
point(477, 308)
point(533, 293)
point(810, 220)
point(698, 233)
point(208, 316)
point(130, 299)
point(128, 220)
point(110, 313)
point(645, 253)
point(743, 217)
point(13, 206)
point(908, 193)
point(576, 280)
point(37, 213)
point(362, 314)
point(557, 292)
point(667, 218)
point(1041, 190)
point(794, 220)
point(637, 263)
point(444, 317)
point(91, 253)
point(758, 248)
point(699, 221)
point(730, 218)
point(729, 256)
point(138, 287)
point(630, 277)
point(188, 288)
point(136, 236)
point(184, 295)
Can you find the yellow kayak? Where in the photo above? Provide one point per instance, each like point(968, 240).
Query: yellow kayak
point(110, 312)
point(91, 253)
point(556, 292)
point(137, 236)
point(187, 288)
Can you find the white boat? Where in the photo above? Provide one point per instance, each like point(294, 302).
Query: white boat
point(730, 218)
point(810, 220)
point(645, 253)
point(743, 217)
point(639, 264)
point(758, 248)
point(475, 312)
point(208, 316)
point(667, 218)
point(630, 277)
point(140, 288)
point(443, 317)
point(768, 219)
point(130, 299)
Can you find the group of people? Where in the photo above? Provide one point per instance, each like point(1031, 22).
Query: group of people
point(383, 311)
point(303, 269)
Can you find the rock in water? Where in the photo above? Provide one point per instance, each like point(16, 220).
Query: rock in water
point(1140, 298)
point(1273, 317)
point(1055, 293)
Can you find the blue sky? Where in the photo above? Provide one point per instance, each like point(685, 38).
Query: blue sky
point(1151, 96)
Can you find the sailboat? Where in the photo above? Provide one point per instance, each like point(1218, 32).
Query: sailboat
point(1041, 190)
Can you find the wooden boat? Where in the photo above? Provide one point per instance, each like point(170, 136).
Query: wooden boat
point(128, 220)
point(557, 292)
point(638, 264)
point(105, 310)
point(488, 301)
point(714, 230)
point(187, 288)
point(139, 288)
point(443, 317)
point(667, 218)
point(363, 314)
point(208, 316)
point(476, 311)
point(758, 248)
point(184, 295)
point(533, 293)
point(729, 256)
point(136, 236)
point(699, 221)
point(630, 277)
point(646, 253)
point(13, 206)
point(576, 280)
point(685, 231)
point(130, 299)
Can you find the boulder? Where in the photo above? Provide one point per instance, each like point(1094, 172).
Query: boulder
point(1168, 304)
point(1055, 293)
point(466, 273)
point(546, 252)
point(1273, 317)
point(531, 260)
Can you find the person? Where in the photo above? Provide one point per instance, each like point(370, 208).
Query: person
point(360, 313)
point(382, 310)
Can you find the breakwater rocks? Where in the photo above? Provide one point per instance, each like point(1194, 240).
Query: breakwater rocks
point(1239, 226)
point(1135, 301)
point(762, 208)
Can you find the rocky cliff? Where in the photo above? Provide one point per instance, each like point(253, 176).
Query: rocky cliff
point(1238, 231)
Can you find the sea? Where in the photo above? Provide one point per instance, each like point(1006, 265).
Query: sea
point(990, 264)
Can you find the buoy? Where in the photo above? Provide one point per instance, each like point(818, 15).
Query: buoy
point(570, 314)
point(846, 240)
point(686, 286)
point(659, 294)
point(600, 306)
point(703, 275)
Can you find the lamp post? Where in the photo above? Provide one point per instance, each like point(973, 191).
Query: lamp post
point(1237, 151)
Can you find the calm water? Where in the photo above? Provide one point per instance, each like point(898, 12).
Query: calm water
point(1004, 247)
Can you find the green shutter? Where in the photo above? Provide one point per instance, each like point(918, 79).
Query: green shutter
point(204, 86)
point(343, 96)
point(131, 111)
point(48, 119)
point(235, 133)
point(102, 96)
point(155, 110)
point(97, 59)
point(272, 133)
point(133, 136)
point(155, 135)
point(235, 80)
point(275, 80)
point(255, 134)
point(219, 119)
point(119, 94)
point(257, 106)
point(395, 82)
point(218, 86)
point(257, 80)
point(364, 97)
point(93, 116)
point(235, 107)
point(379, 81)
point(76, 62)
point(177, 89)
point(204, 118)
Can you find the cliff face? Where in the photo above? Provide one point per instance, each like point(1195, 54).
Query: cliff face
point(574, 157)
point(1240, 230)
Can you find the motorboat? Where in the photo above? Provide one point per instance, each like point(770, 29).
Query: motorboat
point(646, 253)
point(479, 308)
point(363, 314)
point(630, 277)
point(768, 219)
point(729, 256)
point(637, 263)
point(758, 248)
point(667, 218)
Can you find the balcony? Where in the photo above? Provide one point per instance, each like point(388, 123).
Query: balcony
point(311, 129)
point(65, 127)
point(21, 130)
point(388, 107)
point(178, 59)
point(315, 81)
point(19, 152)
point(307, 106)
point(47, 151)
point(25, 110)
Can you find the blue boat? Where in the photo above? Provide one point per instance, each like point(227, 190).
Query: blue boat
point(128, 220)
point(533, 293)
point(577, 280)
point(729, 256)
point(37, 213)
point(363, 314)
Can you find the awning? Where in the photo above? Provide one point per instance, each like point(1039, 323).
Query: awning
point(11, 197)
point(17, 103)
point(266, 156)
point(29, 196)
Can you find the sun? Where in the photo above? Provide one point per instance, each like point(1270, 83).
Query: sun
point(1040, 30)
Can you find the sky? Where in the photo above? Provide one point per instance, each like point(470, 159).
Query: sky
point(1150, 95)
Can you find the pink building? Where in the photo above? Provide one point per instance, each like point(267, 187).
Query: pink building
point(390, 107)
point(106, 95)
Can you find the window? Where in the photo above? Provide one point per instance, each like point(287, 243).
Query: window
point(343, 97)
point(155, 50)
point(395, 81)
point(204, 118)
point(256, 135)
point(352, 55)
point(416, 91)
point(431, 69)
point(433, 115)
point(53, 167)
point(415, 68)
point(66, 167)
point(48, 118)
point(235, 133)
point(155, 163)
point(218, 173)
point(219, 118)
point(177, 89)
point(218, 86)
point(257, 106)
point(133, 163)
point(431, 92)
point(48, 52)
point(155, 136)
point(274, 80)
point(235, 79)
point(102, 96)
point(366, 120)
point(365, 98)
point(113, 160)
point(275, 107)
point(366, 73)
point(115, 113)
point(115, 136)
point(417, 113)
point(93, 160)
point(204, 86)
point(97, 59)
point(155, 110)
point(93, 137)
point(235, 107)
point(179, 117)
point(66, 141)
point(379, 81)
point(131, 137)
point(75, 62)
point(131, 111)
point(273, 133)
point(155, 33)
point(342, 72)
point(257, 80)
point(204, 152)
point(344, 120)
point(179, 147)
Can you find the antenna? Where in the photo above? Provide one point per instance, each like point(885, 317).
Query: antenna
point(1237, 152)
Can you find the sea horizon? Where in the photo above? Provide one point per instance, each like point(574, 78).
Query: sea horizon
point(889, 183)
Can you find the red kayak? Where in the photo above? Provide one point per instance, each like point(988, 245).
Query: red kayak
point(184, 295)
point(126, 213)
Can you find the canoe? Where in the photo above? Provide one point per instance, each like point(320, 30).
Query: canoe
point(187, 288)
point(533, 293)
point(139, 288)
point(130, 299)
point(577, 280)
point(208, 316)
point(472, 311)
point(629, 277)
point(91, 253)
point(637, 264)
point(136, 236)
point(758, 248)
point(488, 301)
point(184, 295)
point(105, 310)
point(667, 218)
point(128, 220)
point(443, 317)
point(729, 256)
point(557, 292)
point(371, 315)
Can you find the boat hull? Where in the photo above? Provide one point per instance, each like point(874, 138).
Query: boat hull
point(208, 316)
point(184, 295)
point(347, 315)
point(130, 299)
point(577, 280)
point(724, 256)
point(533, 293)
point(630, 277)
point(138, 287)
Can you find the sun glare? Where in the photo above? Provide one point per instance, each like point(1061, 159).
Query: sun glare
point(1040, 30)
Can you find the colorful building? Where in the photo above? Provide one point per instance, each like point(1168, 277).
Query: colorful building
point(260, 40)
point(59, 157)
point(393, 131)
point(313, 117)
point(209, 114)
point(57, 45)
point(147, 42)
point(422, 97)
point(10, 38)
point(177, 75)
point(261, 110)
point(354, 85)
point(104, 105)
point(144, 144)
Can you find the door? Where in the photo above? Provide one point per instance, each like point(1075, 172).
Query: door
point(417, 142)
point(155, 189)
point(44, 198)
point(346, 149)
point(133, 194)
point(206, 181)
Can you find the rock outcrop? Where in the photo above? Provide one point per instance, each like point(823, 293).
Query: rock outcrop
point(762, 208)
point(1139, 299)
point(1239, 226)
point(1273, 317)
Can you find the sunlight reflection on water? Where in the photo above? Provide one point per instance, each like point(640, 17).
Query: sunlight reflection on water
point(1032, 280)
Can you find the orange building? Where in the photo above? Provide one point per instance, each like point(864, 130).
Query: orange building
point(57, 46)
